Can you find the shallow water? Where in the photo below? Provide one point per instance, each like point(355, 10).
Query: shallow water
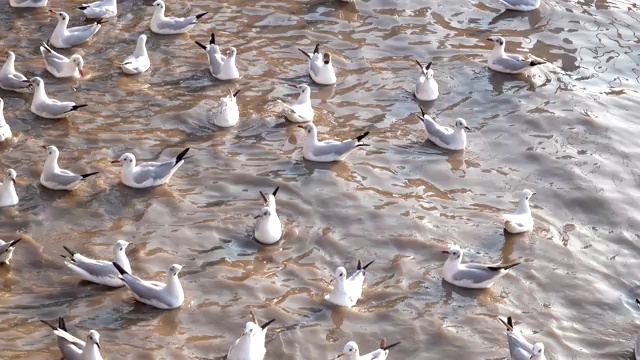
point(566, 131)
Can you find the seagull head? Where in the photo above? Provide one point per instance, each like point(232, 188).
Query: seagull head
point(350, 349)
point(537, 352)
point(12, 175)
point(159, 4)
point(62, 16)
point(174, 269)
point(232, 52)
point(497, 40)
point(52, 151)
point(326, 58)
point(462, 124)
point(94, 338)
point(340, 274)
point(79, 62)
point(526, 194)
point(126, 160)
point(120, 246)
point(251, 329)
point(36, 82)
point(454, 252)
point(426, 69)
point(309, 128)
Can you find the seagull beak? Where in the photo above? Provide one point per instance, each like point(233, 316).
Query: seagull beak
point(446, 252)
point(467, 128)
point(26, 81)
point(14, 181)
point(301, 127)
point(44, 147)
point(53, 12)
point(81, 72)
point(257, 216)
point(295, 86)
point(98, 345)
point(489, 39)
point(340, 355)
point(115, 162)
point(533, 193)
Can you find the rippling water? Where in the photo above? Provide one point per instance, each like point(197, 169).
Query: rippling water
point(567, 132)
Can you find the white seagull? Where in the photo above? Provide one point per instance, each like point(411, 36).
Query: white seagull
point(45, 107)
point(148, 174)
point(171, 25)
point(10, 79)
point(471, 275)
point(268, 227)
point(300, 110)
point(352, 352)
point(228, 113)
point(6, 250)
point(426, 85)
point(250, 345)
point(320, 67)
point(70, 346)
point(138, 62)
point(100, 271)
point(64, 37)
point(443, 136)
point(520, 5)
point(348, 290)
point(327, 150)
point(520, 221)
point(28, 3)
point(165, 296)
point(507, 63)
point(221, 67)
point(519, 347)
point(8, 196)
point(59, 65)
point(54, 178)
point(5, 130)
point(100, 9)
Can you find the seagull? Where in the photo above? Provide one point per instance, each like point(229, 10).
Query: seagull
point(320, 67)
point(10, 79)
point(64, 37)
point(250, 345)
point(506, 63)
point(520, 221)
point(100, 9)
point(352, 352)
point(520, 5)
point(426, 85)
point(268, 227)
point(138, 62)
point(70, 346)
point(228, 113)
point(59, 65)
point(471, 275)
point(221, 67)
point(349, 289)
point(8, 196)
point(45, 107)
point(519, 347)
point(165, 296)
point(301, 110)
point(171, 25)
point(148, 174)
point(327, 150)
point(28, 3)
point(54, 178)
point(443, 136)
point(6, 250)
point(5, 130)
point(100, 271)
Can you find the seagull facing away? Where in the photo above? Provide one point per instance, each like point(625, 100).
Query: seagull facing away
point(268, 227)
point(90, 348)
point(10, 79)
point(54, 178)
point(471, 275)
point(221, 67)
point(443, 136)
point(59, 65)
point(165, 296)
point(28, 3)
point(507, 63)
point(327, 150)
point(300, 110)
point(6, 250)
point(64, 37)
point(352, 352)
point(163, 25)
point(8, 195)
point(138, 62)
point(520, 221)
point(348, 290)
point(250, 345)
point(228, 113)
point(100, 9)
point(70, 346)
point(520, 5)
point(519, 347)
point(99, 271)
point(5, 130)
point(320, 67)
point(45, 107)
point(426, 85)
point(148, 174)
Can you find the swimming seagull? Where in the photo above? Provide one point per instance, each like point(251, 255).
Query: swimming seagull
point(64, 37)
point(519, 347)
point(10, 79)
point(443, 136)
point(221, 67)
point(100, 9)
point(5, 130)
point(8, 196)
point(508, 63)
point(100, 271)
point(327, 150)
point(59, 65)
point(471, 275)
point(320, 67)
point(352, 352)
point(228, 113)
point(250, 345)
point(520, 221)
point(54, 178)
point(171, 25)
point(300, 110)
point(6, 250)
point(138, 62)
point(268, 227)
point(426, 85)
point(45, 107)
point(28, 3)
point(165, 296)
point(349, 289)
point(148, 174)
point(520, 5)
point(70, 346)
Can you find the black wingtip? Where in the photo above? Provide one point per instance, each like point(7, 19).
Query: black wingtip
point(392, 345)
point(275, 191)
point(265, 325)
point(422, 111)
point(76, 107)
point(61, 324)
point(428, 65)
point(119, 268)
point(84, 176)
point(201, 15)
point(316, 50)
point(637, 301)
point(359, 266)
point(101, 21)
point(83, 7)
point(362, 145)
point(235, 94)
point(305, 53)
point(201, 45)
point(49, 325)
point(366, 266)
point(502, 267)
point(419, 64)
point(14, 242)
point(212, 39)
point(71, 252)
point(510, 322)
point(46, 47)
point(181, 155)
point(359, 138)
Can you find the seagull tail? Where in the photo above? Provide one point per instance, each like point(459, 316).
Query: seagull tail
point(120, 269)
point(84, 176)
point(180, 156)
point(503, 267)
point(76, 107)
point(201, 45)
point(359, 138)
point(71, 252)
point(201, 15)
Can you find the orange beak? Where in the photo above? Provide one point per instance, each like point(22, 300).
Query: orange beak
point(53, 12)
point(115, 162)
point(81, 72)
point(44, 147)
point(301, 127)
point(14, 181)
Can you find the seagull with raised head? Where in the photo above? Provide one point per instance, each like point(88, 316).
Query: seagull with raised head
point(163, 25)
point(471, 275)
point(221, 67)
point(520, 5)
point(250, 345)
point(6, 250)
point(508, 63)
point(55, 178)
point(268, 226)
point(46, 107)
point(100, 271)
point(64, 37)
point(320, 67)
point(8, 195)
point(165, 296)
point(521, 220)
point(61, 66)
point(28, 3)
point(138, 62)
point(443, 136)
point(426, 85)
point(519, 347)
point(328, 150)
point(5, 130)
point(352, 352)
point(148, 174)
point(70, 346)
point(100, 9)
point(10, 79)
point(300, 110)
point(348, 290)
point(228, 113)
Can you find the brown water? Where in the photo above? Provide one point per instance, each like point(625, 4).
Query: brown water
point(568, 132)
